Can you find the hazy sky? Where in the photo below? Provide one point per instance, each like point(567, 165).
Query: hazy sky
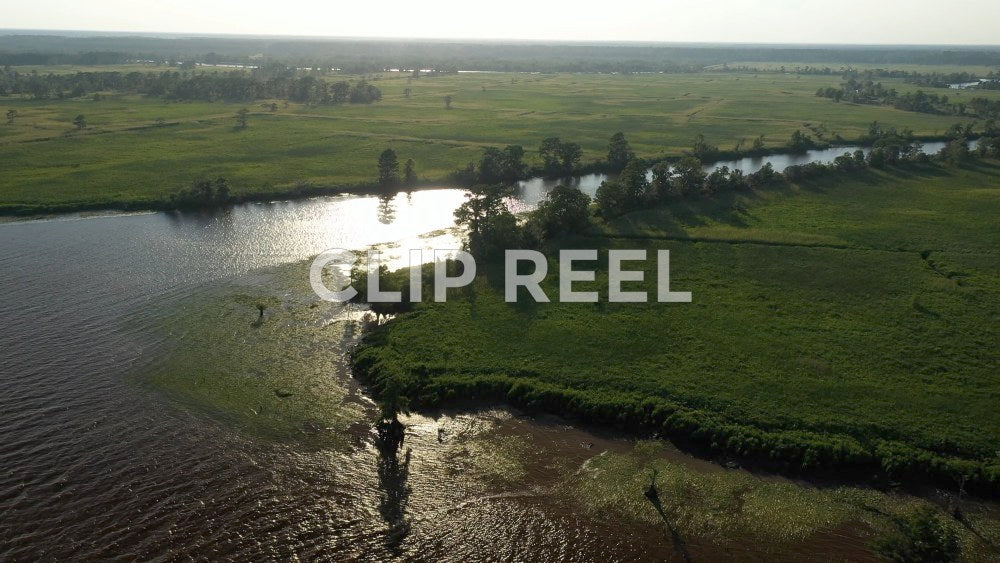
point(759, 21)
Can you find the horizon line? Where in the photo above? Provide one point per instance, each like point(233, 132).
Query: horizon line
point(9, 32)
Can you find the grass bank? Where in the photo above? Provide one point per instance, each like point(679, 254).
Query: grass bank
point(839, 327)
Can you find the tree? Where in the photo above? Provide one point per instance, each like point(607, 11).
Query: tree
point(388, 168)
point(492, 227)
point(563, 211)
point(447, 101)
point(690, 176)
point(11, 114)
point(800, 142)
point(766, 176)
point(491, 166)
point(80, 121)
point(483, 202)
point(611, 199)
point(364, 93)
point(501, 166)
point(569, 155)
point(704, 151)
point(717, 181)
point(549, 151)
point(662, 186)
point(409, 174)
point(635, 183)
point(956, 151)
point(619, 151)
point(875, 130)
point(241, 118)
point(513, 168)
point(406, 93)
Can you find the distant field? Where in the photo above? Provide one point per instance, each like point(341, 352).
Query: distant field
point(830, 324)
point(123, 157)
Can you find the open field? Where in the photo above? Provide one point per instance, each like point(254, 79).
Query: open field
point(123, 158)
point(842, 325)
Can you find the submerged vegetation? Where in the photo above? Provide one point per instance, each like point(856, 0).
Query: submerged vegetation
point(734, 506)
point(258, 358)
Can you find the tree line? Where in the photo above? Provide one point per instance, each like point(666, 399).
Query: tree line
point(874, 93)
point(234, 86)
point(566, 211)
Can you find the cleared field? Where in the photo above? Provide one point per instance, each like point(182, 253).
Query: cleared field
point(123, 157)
point(848, 327)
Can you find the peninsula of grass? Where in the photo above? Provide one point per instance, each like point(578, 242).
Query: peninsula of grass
point(839, 327)
point(135, 151)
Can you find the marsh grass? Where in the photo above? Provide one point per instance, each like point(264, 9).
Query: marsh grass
point(838, 329)
point(123, 157)
point(733, 507)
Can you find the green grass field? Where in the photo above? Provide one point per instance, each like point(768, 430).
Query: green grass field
point(122, 157)
point(837, 324)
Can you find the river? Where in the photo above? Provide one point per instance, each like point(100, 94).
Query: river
point(94, 466)
point(532, 191)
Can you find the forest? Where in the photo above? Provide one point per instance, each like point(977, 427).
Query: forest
point(272, 82)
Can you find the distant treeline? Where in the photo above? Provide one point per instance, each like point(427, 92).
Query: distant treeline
point(931, 79)
point(376, 55)
point(209, 86)
point(641, 183)
point(869, 92)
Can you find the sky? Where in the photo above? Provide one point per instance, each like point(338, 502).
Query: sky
point(953, 22)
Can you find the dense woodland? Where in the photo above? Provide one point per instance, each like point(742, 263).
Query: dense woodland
point(272, 82)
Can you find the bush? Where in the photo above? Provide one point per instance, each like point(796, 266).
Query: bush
point(203, 194)
point(924, 537)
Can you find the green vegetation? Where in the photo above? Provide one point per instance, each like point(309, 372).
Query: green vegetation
point(259, 357)
point(925, 536)
point(843, 324)
point(137, 151)
point(732, 507)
